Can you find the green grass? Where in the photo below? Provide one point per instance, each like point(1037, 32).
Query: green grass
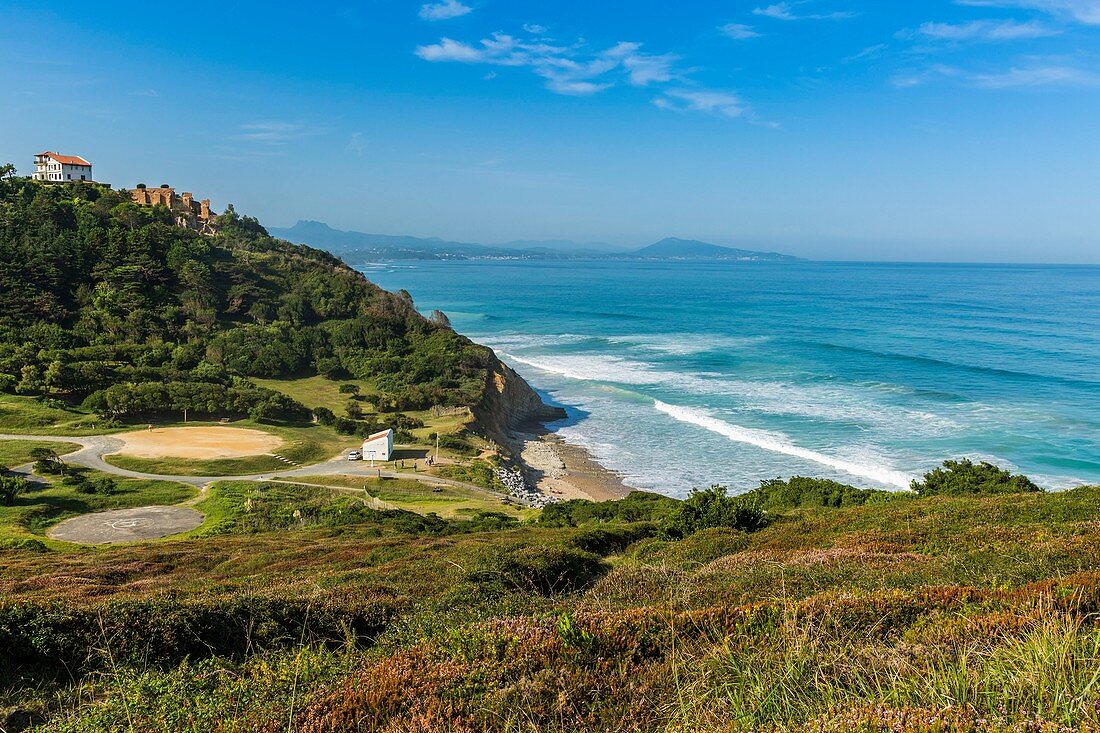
point(917, 615)
point(32, 416)
point(46, 505)
point(317, 391)
point(416, 496)
point(18, 452)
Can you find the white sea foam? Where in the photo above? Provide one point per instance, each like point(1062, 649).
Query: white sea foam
point(685, 344)
point(822, 402)
point(778, 443)
point(592, 368)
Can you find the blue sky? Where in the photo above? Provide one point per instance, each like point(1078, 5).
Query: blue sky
point(834, 129)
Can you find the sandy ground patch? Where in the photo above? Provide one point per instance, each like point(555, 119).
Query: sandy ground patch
point(127, 525)
point(198, 442)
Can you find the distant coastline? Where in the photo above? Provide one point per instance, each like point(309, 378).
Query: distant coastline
point(361, 248)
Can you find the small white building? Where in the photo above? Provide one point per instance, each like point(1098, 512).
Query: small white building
point(378, 447)
point(59, 168)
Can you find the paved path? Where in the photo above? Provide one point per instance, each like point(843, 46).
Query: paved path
point(127, 525)
point(94, 447)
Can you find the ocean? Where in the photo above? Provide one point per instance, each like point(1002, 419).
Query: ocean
point(687, 374)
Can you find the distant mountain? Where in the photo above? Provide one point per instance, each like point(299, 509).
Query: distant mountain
point(358, 248)
point(673, 248)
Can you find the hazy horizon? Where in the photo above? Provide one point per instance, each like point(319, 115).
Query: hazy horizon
point(950, 131)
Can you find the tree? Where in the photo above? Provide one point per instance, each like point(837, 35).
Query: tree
point(7, 170)
point(46, 460)
point(958, 478)
point(352, 389)
point(713, 507)
point(11, 488)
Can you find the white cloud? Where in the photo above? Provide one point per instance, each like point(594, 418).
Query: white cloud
point(642, 69)
point(1038, 75)
point(726, 104)
point(1082, 11)
point(270, 132)
point(738, 31)
point(444, 10)
point(534, 28)
point(356, 144)
point(786, 11)
point(567, 69)
point(980, 30)
point(868, 53)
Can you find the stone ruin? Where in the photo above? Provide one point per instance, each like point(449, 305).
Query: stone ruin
point(190, 214)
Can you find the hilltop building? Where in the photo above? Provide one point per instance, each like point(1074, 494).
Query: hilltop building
point(378, 447)
point(190, 214)
point(58, 168)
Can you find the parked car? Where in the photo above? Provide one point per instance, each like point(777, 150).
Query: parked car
point(355, 456)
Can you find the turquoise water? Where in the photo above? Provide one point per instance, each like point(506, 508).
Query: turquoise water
point(681, 375)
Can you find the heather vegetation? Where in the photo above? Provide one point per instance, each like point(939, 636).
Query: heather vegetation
point(805, 605)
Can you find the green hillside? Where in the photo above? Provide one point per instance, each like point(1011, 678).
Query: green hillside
point(834, 610)
point(110, 305)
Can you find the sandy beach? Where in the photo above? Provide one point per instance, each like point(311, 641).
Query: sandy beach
point(562, 470)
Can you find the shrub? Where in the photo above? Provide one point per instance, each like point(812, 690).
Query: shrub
point(11, 488)
point(960, 478)
point(546, 570)
point(713, 507)
point(638, 506)
point(777, 495)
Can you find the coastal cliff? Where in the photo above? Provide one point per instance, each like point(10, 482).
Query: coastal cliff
point(508, 403)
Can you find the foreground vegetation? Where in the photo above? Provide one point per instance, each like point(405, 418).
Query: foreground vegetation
point(805, 605)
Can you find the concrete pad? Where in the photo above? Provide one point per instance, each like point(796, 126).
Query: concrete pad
point(127, 525)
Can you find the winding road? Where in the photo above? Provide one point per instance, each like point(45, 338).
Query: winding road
point(94, 447)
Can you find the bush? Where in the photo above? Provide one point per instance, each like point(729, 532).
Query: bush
point(65, 638)
point(11, 488)
point(638, 506)
point(546, 570)
point(777, 495)
point(960, 478)
point(615, 538)
point(713, 508)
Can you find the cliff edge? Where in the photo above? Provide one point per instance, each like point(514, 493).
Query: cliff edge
point(508, 403)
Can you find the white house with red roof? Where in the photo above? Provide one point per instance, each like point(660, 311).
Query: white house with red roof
point(378, 447)
point(58, 168)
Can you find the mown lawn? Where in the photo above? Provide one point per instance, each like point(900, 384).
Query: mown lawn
point(19, 452)
point(32, 415)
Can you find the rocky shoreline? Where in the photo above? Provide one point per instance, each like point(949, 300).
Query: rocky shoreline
point(558, 471)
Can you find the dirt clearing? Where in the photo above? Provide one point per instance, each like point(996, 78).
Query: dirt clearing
point(198, 442)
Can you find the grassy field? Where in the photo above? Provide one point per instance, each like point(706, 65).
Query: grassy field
point(415, 496)
point(47, 504)
point(321, 392)
point(32, 416)
point(303, 610)
point(18, 452)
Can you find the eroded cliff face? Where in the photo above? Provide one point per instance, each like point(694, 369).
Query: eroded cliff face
point(509, 403)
